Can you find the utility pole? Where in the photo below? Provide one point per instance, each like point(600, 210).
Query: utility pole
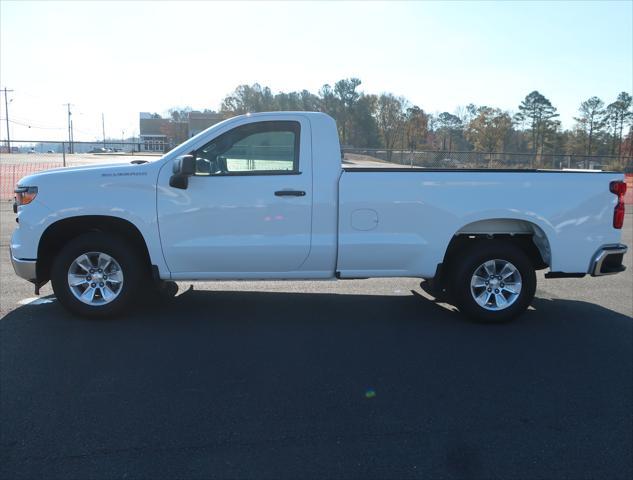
point(70, 129)
point(6, 114)
point(103, 129)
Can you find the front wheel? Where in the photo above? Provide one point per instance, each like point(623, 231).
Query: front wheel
point(495, 282)
point(97, 275)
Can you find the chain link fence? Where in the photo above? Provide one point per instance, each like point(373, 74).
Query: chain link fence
point(46, 146)
point(456, 160)
point(28, 157)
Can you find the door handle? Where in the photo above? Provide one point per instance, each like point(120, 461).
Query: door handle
point(290, 193)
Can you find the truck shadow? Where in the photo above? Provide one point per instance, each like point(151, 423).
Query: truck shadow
point(344, 316)
point(227, 381)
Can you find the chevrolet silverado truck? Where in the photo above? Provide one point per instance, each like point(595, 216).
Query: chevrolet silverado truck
point(264, 196)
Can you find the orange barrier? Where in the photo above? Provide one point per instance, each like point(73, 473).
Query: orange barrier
point(12, 172)
point(628, 198)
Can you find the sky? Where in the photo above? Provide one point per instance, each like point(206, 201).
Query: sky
point(122, 58)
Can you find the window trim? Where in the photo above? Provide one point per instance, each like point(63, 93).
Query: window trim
point(282, 125)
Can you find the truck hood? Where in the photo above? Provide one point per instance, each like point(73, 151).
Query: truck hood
point(90, 173)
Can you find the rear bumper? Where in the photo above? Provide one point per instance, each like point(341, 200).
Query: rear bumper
point(608, 260)
point(24, 268)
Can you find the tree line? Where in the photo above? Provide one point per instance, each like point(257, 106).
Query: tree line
point(392, 122)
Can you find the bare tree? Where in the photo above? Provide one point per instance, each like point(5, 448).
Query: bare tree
point(248, 98)
point(416, 127)
point(489, 130)
point(347, 96)
point(390, 119)
point(447, 127)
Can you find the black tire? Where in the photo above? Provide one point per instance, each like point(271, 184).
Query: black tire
point(133, 272)
point(464, 269)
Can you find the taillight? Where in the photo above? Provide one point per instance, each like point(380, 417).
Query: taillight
point(619, 189)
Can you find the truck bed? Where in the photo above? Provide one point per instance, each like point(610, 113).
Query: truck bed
point(572, 210)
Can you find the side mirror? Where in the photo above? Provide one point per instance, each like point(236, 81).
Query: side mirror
point(184, 167)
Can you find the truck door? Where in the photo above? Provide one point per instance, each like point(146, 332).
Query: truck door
point(248, 208)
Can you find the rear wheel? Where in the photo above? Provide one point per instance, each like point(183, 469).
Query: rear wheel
point(97, 275)
point(495, 282)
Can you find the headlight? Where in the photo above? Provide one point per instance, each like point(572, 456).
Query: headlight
point(24, 196)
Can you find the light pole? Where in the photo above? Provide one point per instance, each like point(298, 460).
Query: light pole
point(103, 129)
point(70, 129)
point(6, 114)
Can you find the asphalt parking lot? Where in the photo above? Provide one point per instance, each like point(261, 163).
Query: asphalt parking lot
point(353, 379)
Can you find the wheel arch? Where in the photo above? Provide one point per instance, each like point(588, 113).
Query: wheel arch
point(515, 230)
point(528, 236)
point(60, 232)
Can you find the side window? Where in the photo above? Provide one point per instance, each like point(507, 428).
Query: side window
point(262, 148)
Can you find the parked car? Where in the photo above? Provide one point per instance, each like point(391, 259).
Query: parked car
point(263, 196)
point(450, 163)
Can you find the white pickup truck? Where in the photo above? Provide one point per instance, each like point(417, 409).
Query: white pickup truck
point(264, 196)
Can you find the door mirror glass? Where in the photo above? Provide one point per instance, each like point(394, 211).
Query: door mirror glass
point(184, 167)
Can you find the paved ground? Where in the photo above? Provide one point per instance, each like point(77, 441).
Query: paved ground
point(355, 379)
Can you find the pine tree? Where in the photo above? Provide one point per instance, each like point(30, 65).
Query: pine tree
point(592, 120)
point(538, 112)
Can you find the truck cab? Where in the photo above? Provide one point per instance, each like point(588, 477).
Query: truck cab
point(262, 192)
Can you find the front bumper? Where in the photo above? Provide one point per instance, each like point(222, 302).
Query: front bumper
point(608, 260)
point(25, 268)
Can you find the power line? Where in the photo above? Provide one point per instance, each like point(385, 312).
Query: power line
point(46, 100)
point(30, 122)
point(6, 110)
point(39, 127)
point(30, 125)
